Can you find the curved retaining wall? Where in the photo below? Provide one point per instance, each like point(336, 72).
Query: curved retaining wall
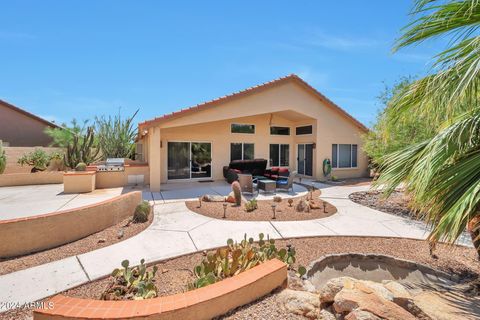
point(30, 234)
point(23, 179)
point(204, 303)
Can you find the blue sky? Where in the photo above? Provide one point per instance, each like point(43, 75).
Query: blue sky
point(77, 59)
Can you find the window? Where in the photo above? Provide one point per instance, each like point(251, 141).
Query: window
point(242, 151)
point(303, 130)
point(344, 155)
point(280, 131)
point(279, 155)
point(243, 128)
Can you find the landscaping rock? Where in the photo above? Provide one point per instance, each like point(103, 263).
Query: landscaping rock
point(212, 198)
point(333, 286)
point(348, 300)
point(361, 315)
point(374, 287)
point(230, 198)
point(326, 315)
point(397, 289)
point(300, 302)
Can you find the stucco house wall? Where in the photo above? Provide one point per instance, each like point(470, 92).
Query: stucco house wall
point(19, 128)
point(287, 103)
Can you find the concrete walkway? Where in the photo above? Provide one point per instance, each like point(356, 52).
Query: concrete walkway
point(177, 231)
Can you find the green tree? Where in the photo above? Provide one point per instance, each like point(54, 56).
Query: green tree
point(442, 174)
point(116, 136)
point(63, 136)
point(391, 133)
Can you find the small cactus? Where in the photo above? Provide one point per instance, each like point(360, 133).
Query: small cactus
point(251, 205)
point(142, 212)
point(81, 167)
point(237, 192)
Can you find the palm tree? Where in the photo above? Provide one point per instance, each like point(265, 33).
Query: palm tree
point(443, 174)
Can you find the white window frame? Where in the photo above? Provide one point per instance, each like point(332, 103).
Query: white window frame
point(243, 149)
point(279, 154)
point(244, 124)
point(351, 156)
point(282, 135)
point(306, 134)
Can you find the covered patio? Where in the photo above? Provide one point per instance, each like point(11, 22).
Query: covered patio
point(189, 190)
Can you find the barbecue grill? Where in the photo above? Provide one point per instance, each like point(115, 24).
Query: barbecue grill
point(112, 164)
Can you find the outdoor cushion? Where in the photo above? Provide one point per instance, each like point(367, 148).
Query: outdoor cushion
point(282, 181)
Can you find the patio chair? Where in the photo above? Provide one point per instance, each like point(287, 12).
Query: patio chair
point(246, 182)
point(286, 183)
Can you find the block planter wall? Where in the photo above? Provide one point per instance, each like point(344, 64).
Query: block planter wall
point(203, 303)
point(23, 179)
point(78, 182)
point(30, 234)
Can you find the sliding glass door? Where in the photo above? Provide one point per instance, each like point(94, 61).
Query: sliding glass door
point(187, 160)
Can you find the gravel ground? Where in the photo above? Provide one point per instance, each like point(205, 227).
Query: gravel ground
point(175, 273)
point(264, 212)
point(397, 203)
point(106, 237)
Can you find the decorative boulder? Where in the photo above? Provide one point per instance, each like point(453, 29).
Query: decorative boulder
point(212, 198)
point(300, 302)
point(361, 315)
point(334, 286)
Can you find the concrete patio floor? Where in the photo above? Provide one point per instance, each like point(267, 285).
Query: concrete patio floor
point(176, 231)
point(27, 201)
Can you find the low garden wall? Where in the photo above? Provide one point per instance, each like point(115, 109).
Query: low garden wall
point(15, 153)
point(22, 179)
point(203, 303)
point(26, 235)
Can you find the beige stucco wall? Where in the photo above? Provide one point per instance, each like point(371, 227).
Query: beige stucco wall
point(15, 153)
point(20, 130)
point(289, 103)
point(25, 235)
point(78, 182)
point(23, 179)
point(114, 179)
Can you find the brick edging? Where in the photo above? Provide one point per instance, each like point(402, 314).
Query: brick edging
point(202, 303)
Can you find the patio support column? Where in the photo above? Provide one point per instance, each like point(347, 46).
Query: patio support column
point(320, 153)
point(154, 158)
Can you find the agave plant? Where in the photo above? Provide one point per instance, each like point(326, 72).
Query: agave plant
point(442, 174)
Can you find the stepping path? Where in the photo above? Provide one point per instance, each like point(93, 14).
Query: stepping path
point(177, 231)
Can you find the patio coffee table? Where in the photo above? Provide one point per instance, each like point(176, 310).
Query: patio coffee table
point(267, 185)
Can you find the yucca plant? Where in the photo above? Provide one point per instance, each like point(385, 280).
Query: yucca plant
point(442, 174)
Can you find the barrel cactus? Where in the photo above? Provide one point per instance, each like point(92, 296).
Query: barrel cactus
point(142, 211)
point(81, 167)
point(237, 192)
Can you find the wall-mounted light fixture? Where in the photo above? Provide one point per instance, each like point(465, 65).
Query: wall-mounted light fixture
point(314, 145)
point(144, 132)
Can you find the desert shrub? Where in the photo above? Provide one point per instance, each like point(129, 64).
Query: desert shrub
point(237, 192)
point(81, 167)
point(277, 199)
point(251, 205)
point(142, 211)
point(38, 159)
point(135, 283)
point(238, 257)
point(3, 159)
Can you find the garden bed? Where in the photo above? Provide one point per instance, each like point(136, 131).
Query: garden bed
point(264, 212)
point(397, 203)
point(92, 242)
point(175, 273)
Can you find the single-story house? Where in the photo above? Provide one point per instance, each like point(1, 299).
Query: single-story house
point(20, 128)
point(285, 121)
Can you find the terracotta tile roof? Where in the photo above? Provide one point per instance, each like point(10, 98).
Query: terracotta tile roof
point(28, 114)
point(251, 90)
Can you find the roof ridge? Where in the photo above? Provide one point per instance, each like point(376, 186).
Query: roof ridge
point(28, 114)
point(291, 76)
